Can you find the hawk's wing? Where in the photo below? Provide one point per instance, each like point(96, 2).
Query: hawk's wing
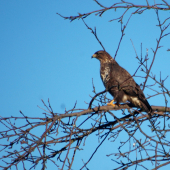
point(126, 83)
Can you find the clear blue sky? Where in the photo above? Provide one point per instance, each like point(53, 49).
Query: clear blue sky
point(44, 56)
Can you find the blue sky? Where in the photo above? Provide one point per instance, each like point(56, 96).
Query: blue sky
point(44, 56)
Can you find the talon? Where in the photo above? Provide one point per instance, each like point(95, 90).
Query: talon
point(111, 103)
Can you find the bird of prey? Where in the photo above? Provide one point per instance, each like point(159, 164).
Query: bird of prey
point(120, 83)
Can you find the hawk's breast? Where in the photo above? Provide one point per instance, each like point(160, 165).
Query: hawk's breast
point(105, 74)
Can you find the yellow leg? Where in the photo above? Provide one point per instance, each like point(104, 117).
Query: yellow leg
point(111, 103)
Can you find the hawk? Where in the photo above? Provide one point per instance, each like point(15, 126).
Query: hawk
point(120, 83)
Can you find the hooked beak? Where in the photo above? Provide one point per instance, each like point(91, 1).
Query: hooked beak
point(94, 56)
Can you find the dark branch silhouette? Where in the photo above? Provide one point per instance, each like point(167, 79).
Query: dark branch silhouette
point(63, 135)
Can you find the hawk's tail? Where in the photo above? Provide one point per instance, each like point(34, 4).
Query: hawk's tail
point(146, 106)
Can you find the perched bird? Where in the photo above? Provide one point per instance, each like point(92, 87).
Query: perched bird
point(120, 83)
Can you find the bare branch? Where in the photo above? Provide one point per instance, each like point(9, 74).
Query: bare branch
point(94, 33)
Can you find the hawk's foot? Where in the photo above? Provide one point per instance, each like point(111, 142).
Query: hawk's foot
point(111, 103)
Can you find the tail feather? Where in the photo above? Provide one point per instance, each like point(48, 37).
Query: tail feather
point(146, 106)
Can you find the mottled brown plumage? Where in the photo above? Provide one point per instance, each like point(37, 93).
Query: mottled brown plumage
point(120, 83)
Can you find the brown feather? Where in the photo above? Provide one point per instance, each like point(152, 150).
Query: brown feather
point(120, 83)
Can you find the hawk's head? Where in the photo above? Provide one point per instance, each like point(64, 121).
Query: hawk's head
point(102, 56)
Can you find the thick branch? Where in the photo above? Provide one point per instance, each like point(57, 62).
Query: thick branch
point(106, 108)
